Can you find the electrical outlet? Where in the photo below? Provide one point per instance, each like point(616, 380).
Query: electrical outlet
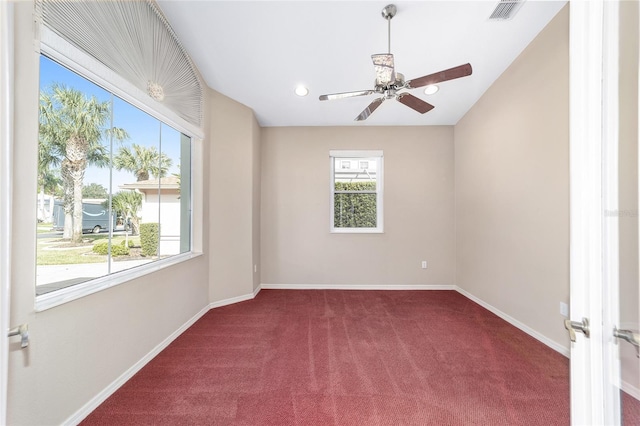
point(424, 264)
point(564, 309)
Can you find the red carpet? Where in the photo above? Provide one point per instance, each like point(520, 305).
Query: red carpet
point(347, 358)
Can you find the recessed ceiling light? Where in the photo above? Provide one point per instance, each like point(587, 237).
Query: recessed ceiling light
point(302, 91)
point(431, 89)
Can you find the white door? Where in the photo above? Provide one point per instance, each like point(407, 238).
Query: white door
point(6, 88)
point(596, 214)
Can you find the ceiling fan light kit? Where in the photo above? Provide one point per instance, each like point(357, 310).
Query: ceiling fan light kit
point(431, 89)
point(389, 82)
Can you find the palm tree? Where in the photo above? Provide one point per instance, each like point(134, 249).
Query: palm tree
point(48, 180)
point(142, 161)
point(127, 204)
point(72, 128)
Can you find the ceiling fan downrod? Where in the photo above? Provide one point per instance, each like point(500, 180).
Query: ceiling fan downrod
point(388, 13)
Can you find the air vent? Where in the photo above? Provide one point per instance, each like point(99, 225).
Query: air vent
point(506, 10)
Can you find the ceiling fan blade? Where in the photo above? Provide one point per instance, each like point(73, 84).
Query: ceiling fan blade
point(346, 95)
point(450, 74)
point(385, 71)
point(414, 103)
point(369, 110)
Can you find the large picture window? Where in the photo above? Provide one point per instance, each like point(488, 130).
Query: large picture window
point(356, 191)
point(114, 184)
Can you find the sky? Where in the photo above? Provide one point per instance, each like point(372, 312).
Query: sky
point(142, 128)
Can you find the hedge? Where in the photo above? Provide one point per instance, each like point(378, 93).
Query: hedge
point(149, 238)
point(355, 210)
point(102, 247)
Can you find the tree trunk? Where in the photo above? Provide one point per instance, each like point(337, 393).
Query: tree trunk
point(135, 225)
point(67, 198)
point(76, 158)
point(142, 175)
point(41, 215)
point(77, 207)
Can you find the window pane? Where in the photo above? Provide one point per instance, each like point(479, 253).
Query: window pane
point(112, 196)
point(73, 178)
point(169, 193)
point(355, 210)
point(360, 175)
point(134, 175)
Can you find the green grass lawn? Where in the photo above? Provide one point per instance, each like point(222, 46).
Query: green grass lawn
point(44, 227)
point(50, 254)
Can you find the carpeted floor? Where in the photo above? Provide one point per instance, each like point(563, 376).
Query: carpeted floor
point(348, 358)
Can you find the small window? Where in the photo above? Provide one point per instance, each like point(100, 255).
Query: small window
point(356, 194)
point(345, 164)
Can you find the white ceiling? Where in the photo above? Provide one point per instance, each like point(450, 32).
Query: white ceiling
point(256, 52)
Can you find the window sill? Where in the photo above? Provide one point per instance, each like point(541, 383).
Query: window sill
point(62, 296)
point(356, 231)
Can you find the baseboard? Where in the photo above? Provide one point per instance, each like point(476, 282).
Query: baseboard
point(236, 299)
point(83, 412)
point(631, 390)
point(356, 287)
point(531, 332)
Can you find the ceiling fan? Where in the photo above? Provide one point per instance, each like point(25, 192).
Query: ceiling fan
point(389, 82)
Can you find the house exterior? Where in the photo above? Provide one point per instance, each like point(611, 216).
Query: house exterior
point(161, 204)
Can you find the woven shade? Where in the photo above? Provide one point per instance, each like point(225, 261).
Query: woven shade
point(134, 40)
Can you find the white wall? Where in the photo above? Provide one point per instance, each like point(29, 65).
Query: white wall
point(296, 245)
point(512, 187)
point(168, 206)
point(78, 349)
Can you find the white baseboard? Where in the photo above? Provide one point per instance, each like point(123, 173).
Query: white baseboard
point(531, 332)
point(83, 412)
point(233, 300)
point(631, 390)
point(356, 287)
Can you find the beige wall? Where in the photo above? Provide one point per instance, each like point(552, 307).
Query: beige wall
point(256, 160)
point(234, 197)
point(512, 187)
point(79, 348)
point(296, 245)
point(628, 202)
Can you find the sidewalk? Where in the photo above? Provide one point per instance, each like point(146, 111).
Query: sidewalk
point(54, 277)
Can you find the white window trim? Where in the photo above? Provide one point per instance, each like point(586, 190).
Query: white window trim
point(74, 292)
point(82, 64)
point(376, 155)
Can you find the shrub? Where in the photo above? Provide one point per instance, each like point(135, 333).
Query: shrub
point(149, 238)
point(355, 210)
point(102, 247)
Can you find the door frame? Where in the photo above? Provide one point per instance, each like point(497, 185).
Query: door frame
point(593, 150)
point(6, 171)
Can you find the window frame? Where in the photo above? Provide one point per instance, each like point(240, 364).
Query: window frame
point(77, 61)
point(370, 155)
